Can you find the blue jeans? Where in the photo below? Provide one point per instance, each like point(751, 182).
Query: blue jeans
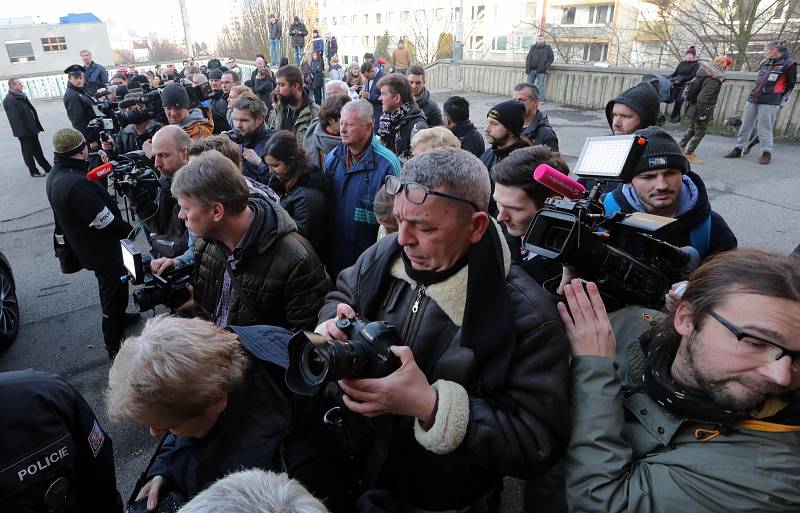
point(539, 80)
point(275, 51)
point(299, 53)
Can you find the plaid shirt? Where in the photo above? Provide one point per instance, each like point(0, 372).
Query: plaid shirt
point(224, 305)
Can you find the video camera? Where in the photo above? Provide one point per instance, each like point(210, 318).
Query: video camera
point(315, 361)
point(168, 289)
point(632, 264)
point(131, 173)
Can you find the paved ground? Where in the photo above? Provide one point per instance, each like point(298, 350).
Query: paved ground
point(60, 313)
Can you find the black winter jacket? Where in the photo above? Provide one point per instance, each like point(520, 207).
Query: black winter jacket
point(684, 72)
point(22, 116)
point(218, 105)
point(540, 132)
point(160, 216)
point(90, 219)
point(281, 276)
point(51, 433)
point(317, 74)
point(264, 426)
point(471, 139)
point(79, 111)
point(297, 34)
point(257, 141)
point(522, 435)
point(432, 112)
point(494, 155)
point(128, 139)
point(412, 123)
point(263, 88)
point(306, 202)
point(539, 58)
point(679, 233)
point(776, 79)
point(275, 29)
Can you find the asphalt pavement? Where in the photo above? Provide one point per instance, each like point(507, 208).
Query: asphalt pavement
point(60, 313)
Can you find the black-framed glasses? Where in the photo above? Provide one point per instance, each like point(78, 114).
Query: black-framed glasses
point(416, 192)
point(756, 346)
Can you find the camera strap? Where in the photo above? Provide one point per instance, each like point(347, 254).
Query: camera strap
point(238, 287)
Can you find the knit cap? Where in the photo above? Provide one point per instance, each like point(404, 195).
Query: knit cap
point(175, 95)
point(510, 114)
point(692, 50)
point(68, 141)
point(643, 99)
point(661, 152)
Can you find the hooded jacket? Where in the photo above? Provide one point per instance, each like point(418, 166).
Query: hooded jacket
point(22, 116)
point(539, 58)
point(308, 112)
point(540, 132)
point(703, 92)
point(318, 143)
point(643, 99)
point(474, 441)
point(776, 79)
point(277, 268)
point(432, 112)
point(471, 139)
point(351, 197)
point(679, 233)
point(198, 123)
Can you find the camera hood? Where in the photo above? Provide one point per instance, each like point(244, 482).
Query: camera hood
point(302, 346)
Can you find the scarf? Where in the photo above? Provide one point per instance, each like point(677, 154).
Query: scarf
point(660, 349)
point(430, 277)
point(389, 124)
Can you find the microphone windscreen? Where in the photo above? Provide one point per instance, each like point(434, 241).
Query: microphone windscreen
point(558, 182)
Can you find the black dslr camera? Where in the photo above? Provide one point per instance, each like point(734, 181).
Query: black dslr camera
point(167, 289)
point(131, 174)
point(633, 265)
point(314, 361)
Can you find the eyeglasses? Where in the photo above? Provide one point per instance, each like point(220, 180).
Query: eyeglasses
point(755, 346)
point(416, 192)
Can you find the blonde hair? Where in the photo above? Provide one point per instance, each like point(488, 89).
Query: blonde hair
point(335, 59)
point(174, 369)
point(436, 137)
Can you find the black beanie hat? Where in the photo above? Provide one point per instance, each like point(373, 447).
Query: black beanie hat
point(643, 99)
point(138, 81)
point(175, 95)
point(511, 114)
point(661, 152)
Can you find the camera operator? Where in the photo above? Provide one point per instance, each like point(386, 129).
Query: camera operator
point(698, 411)
point(251, 265)
point(160, 213)
point(478, 328)
point(92, 226)
point(249, 112)
point(195, 121)
point(54, 455)
point(79, 105)
point(132, 137)
point(239, 413)
point(519, 197)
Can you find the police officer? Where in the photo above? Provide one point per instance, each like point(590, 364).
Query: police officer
point(79, 105)
point(54, 456)
point(92, 226)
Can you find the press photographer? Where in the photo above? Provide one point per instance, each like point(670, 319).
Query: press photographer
point(251, 135)
point(478, 328)
point(133, 136)
point(196, 121)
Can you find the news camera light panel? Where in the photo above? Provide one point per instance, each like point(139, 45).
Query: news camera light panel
point(604, 157)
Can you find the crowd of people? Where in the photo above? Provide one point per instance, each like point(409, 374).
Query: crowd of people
point(293, 214)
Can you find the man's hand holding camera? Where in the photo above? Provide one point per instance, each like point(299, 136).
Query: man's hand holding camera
point(586, 322)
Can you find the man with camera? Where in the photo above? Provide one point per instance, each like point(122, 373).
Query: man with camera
point(663, 185)
point(251, 265)
point(239, 413)
point(133, 136)
point(92, 226)
point(697, 410)
point(252, 135)
point(478, 328)
point(177, 106)
point(294, 108)
point(158, 210)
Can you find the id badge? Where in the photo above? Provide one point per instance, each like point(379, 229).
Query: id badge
point(773, 77)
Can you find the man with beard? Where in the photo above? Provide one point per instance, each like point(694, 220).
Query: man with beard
point(537, 127)
point(416, 77)
point(700, 412)
point(249, 113)
point(504, 131)
point(664, 186)
point(401, 118)
point(294, 109)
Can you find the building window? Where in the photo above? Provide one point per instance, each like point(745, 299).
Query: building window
point(404, 17)
point(20, 52)
point(595, 52)
point(439, 14)
point(568, 16)
point(366, 19)
point(455, 13)
point(333, 18)
point(524, 43)
point(365, 41)
point(600, 14)
point(54, 44)
point(529, 11)
point(355, 20)
point(478, 12)
point(378, 18)
point(499, 43)
point(477, 42)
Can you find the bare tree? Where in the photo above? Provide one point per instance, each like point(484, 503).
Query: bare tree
point(423, 30)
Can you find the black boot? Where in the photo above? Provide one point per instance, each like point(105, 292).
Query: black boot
point(734, 153)
point(766, 158)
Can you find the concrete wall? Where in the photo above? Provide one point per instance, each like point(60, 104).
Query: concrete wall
point(592, 87)
point(78, 36)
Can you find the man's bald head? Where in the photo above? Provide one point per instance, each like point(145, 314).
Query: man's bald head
point(170, 146)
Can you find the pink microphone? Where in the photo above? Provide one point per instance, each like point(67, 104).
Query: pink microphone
point(558, 182)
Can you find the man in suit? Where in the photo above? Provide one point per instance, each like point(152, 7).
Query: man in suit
point(25, 126)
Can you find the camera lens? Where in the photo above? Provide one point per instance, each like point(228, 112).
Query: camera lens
point(315, 364)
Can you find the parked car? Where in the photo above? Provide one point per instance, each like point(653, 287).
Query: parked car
point(9, 308)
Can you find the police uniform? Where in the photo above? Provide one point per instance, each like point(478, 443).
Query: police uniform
point(93, 226)
point(79, 105)
point(54, 456)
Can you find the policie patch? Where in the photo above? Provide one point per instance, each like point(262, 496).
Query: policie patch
point(656, 161)
point(96, 439)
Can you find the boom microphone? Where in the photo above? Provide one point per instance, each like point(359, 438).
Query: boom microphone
point(558, 182)
point(100, 172)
